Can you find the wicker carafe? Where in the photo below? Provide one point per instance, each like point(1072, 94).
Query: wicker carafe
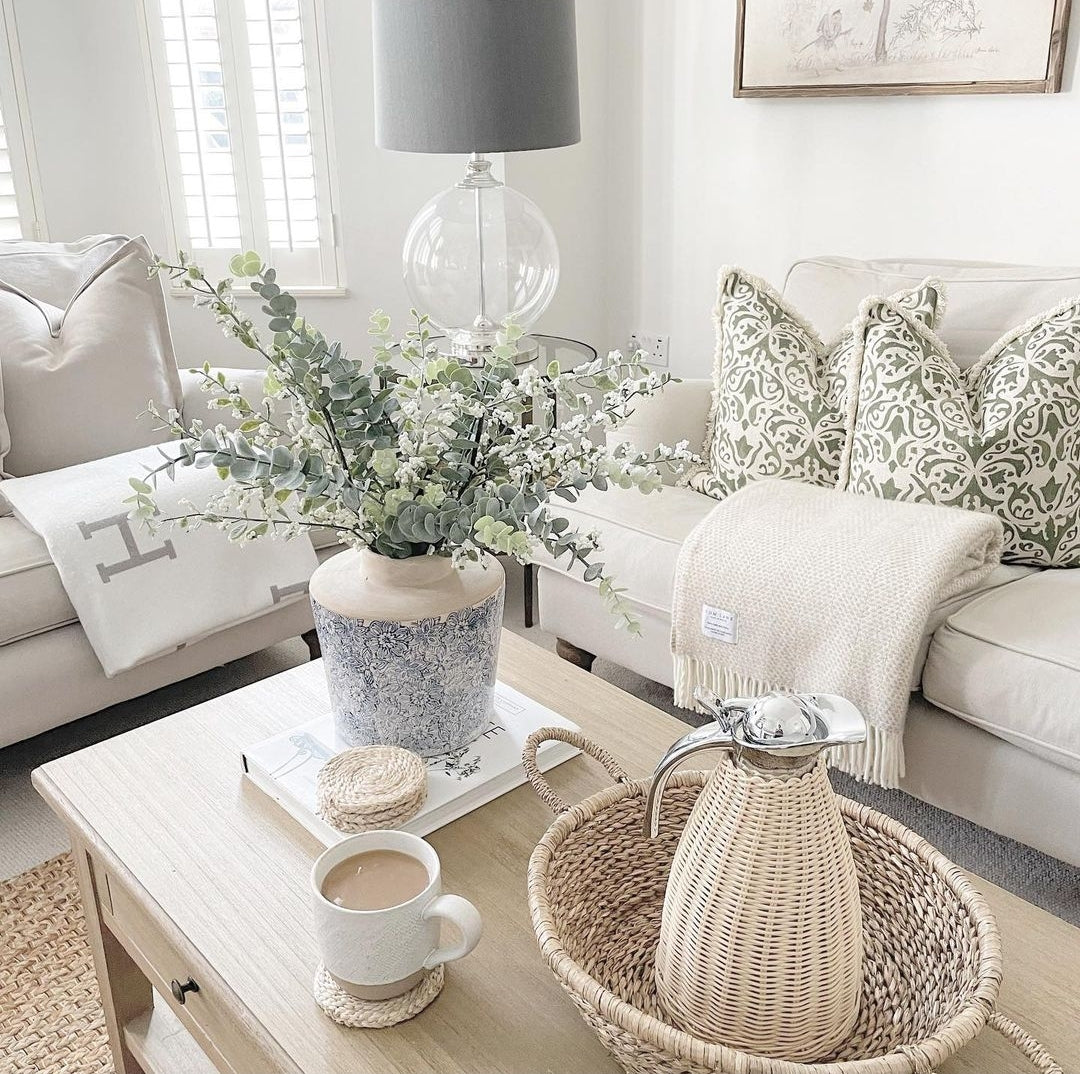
point(761, 935)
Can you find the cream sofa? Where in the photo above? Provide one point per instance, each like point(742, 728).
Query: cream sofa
point(993, 732)
point(48, 671)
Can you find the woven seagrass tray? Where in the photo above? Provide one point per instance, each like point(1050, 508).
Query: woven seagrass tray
point(932, 961)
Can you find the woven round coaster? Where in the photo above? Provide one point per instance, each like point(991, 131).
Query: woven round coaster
point(371, 787)
point(355, 1013)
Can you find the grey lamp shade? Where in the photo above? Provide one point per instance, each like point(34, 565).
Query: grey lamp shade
point(475, 76)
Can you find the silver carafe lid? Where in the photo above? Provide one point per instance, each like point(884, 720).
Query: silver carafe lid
point(778, 735)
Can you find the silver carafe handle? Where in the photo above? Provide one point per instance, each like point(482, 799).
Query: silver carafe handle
point(712, 736)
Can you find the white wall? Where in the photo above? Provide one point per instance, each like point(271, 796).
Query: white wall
point(672, 179)
point(760, 183)
point(94, 129)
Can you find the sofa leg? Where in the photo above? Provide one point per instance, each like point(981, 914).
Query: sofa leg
point(311, 639)
point(574, 654)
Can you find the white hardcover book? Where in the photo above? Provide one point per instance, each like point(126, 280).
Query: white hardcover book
point(286, 765)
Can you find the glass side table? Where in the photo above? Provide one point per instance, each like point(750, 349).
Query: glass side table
point(570, 354)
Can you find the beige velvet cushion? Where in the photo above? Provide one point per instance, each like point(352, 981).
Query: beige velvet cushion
point(53, 271)
point(1009, 662)
point(78, 371)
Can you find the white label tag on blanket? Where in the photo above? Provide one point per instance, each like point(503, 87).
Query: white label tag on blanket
point(720, 624)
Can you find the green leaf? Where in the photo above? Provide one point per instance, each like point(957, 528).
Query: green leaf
point(281, 458)
point(140, 486)
point(246, 264)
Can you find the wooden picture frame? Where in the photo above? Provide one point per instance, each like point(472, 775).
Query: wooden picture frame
point(829, 40)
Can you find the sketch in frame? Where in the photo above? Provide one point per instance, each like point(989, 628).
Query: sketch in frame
point(834, 47)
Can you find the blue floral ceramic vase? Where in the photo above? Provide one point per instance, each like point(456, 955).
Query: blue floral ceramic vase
point(410, 648)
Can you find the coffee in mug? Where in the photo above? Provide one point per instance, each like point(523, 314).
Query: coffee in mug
point(379, 908)
point(375, 880)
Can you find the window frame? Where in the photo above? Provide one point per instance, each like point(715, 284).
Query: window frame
point(327, 257)
point(14, 107)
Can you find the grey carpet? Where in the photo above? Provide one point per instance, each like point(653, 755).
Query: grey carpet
point(29, 833)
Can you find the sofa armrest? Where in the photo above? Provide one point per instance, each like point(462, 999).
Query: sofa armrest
point(679, 412)
point(249, 381)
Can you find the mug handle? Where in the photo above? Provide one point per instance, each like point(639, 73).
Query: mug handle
point(465, 916)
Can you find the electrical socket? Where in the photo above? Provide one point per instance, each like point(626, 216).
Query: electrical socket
point(655, 348)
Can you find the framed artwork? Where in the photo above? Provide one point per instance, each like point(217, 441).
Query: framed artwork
point(833, 48)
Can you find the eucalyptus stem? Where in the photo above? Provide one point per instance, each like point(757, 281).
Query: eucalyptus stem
point(435, 461)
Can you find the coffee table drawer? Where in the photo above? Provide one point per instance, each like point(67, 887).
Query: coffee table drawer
point(194, 992)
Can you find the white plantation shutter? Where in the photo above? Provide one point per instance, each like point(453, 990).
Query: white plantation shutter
point(276, 41)
point(10, 222)
point(20, 201)
point(246, 155)
point(204, 138)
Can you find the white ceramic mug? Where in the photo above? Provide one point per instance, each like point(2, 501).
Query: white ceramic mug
point(378, 954)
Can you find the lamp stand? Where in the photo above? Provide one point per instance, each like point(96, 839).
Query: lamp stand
point(471, 348)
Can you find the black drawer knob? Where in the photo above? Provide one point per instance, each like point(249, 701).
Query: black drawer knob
point(180, 991)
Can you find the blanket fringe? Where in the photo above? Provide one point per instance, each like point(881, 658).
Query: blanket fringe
point(880, 759)
point(691, 673)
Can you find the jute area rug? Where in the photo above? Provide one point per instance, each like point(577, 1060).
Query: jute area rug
point(51, 1020)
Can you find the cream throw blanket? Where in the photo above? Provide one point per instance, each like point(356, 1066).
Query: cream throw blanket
point(794, 587)
point(140, 595)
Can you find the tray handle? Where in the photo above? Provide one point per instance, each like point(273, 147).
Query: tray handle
point(574, 738)
point(1025, 1043)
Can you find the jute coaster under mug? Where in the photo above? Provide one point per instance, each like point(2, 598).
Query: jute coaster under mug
point(355, 1013)
point(371, 787)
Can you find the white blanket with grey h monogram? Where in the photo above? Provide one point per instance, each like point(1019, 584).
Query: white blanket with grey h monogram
point(140, 595)
point(787, 586)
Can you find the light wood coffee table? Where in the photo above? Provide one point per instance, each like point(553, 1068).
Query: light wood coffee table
point(189, 873)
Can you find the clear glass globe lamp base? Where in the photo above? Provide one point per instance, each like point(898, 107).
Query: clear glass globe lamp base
point(478, 255)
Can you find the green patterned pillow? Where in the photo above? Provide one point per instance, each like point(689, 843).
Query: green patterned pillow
point(781, 399)
point(1002, 437)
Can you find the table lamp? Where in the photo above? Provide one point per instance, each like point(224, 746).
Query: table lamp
point(477, 77)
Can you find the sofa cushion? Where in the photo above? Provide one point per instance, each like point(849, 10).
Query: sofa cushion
point(640, 538)
point(32, 597)
point(1002, 437)
point(781, 405)
point(985, 299)
point(53, 271)
point(677, 413)
point(1009, 662)
point(79, 366)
